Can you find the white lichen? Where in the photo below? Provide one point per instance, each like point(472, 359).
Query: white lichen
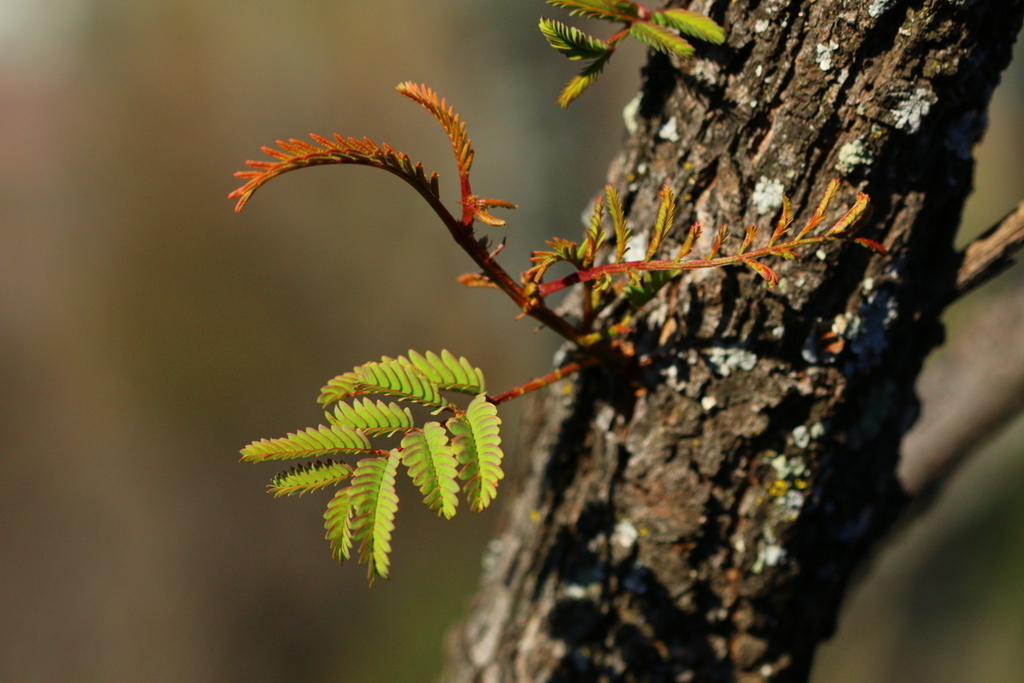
point(851, 155)
point(761, 25)
point(801, 437)
point(769, 554)
point(726, 360)
point(669, 131)
point(824, 54)
point(708, 403)
point(911, 112)
point(787, 468)
point(625, 535)
point(767, 195)
point(877, 7)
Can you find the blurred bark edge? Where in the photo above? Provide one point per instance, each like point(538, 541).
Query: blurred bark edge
point(702, 525)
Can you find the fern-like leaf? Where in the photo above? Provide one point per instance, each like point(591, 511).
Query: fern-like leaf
point(477, 447)
point(581, 82)
point(595, 236)
point(692, 24)
point(572, 42)
point(452, 123)
point(768, 273)
point(449, 373)
point(622, 232)
point(853, 219)
point(309, 477)
point(661, 39)
point(338, 522)
point(432, 467)
point(295, 154)
point(666, 216)
point(374, 503)
point(598, 9)
point(389, 377)
point(309, 442)
point(819, 214)
point(373, 419)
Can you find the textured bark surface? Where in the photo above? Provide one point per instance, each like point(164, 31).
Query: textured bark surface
point(702, 525)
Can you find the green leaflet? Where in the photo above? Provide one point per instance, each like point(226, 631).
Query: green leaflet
point(584, 80)
point(477, 447)
point(431, 465)
point(380, 419)
point(338, 522)
point(389, 377)
point(374, 504)
point(691, 23)
point(309, 477)
point(308, 442)
point(449, 373)
point(661, 39)
point(572, 42)
point(597, 9)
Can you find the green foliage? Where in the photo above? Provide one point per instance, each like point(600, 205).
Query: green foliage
point(432, 467)
point(659, 29)
point(438, 458)
point(477, 447)
point(374, 504)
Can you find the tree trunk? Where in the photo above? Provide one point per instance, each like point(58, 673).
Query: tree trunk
point(701, 525)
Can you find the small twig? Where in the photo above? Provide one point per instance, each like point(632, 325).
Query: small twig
point(543, 381)
point(991, 253)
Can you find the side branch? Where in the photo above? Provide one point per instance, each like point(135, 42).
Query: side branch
point(991, 253)
point(543, 381)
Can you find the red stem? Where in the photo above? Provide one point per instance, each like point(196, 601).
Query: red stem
point(588, 274)
point(543, 381)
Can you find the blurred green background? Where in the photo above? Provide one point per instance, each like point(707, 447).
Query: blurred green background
point(147, 332)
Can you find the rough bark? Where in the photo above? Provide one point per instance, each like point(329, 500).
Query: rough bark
point(701, 525)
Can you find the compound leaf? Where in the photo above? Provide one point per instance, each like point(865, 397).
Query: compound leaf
point(432, 467)
point(389, 377)
point(666, 217)
point(477, 446)
point(373, 419)
point(309, 442)
point(691, 23)
point(661, 39)
point(338, 522)
point(584, 80)
point(572, 42)
point(452, 123)
point(309, 477)
point(448, 372)
point(374, 503)
point(295, 154)
point(611, 10)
